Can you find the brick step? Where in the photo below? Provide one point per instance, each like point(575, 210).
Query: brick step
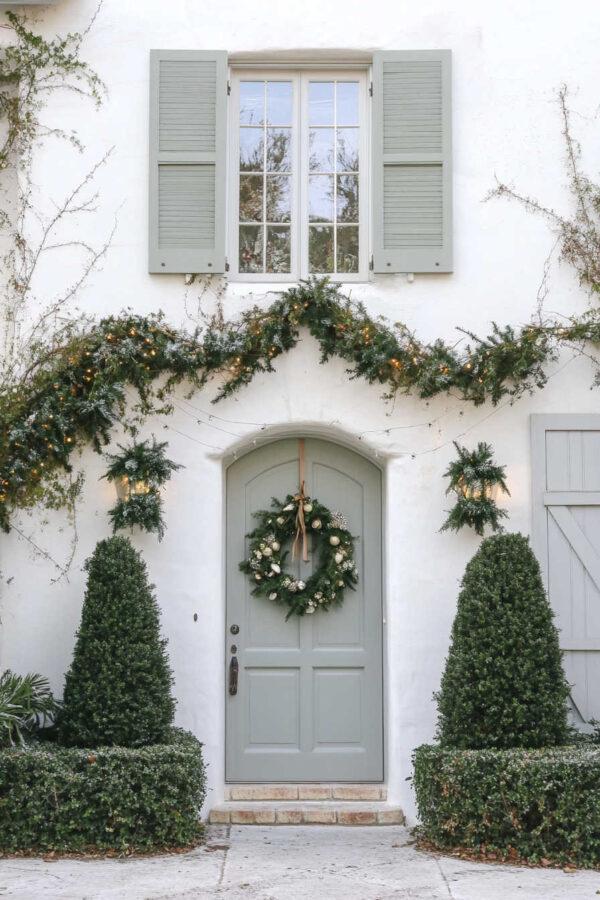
point(345, 792)
point(305, 813)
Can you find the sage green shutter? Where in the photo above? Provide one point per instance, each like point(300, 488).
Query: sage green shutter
point(412, 161)
point(188, 123)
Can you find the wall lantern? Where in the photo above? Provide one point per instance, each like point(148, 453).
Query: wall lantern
point(476, 480)
point(477, 491)
point(125, 487)
point(138, 473)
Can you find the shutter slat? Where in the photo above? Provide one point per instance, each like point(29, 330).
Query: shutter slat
point(188, 96)
point(412, 161)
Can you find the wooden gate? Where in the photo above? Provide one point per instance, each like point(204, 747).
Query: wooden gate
point(566, 539)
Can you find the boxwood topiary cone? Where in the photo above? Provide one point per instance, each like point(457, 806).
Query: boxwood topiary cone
point(118, 689)
point(503, 685)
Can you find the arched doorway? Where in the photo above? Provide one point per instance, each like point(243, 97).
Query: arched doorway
point(309, 703)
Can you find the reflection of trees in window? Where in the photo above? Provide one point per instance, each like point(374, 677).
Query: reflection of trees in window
point(251, 199)
point(278, 249)
point(251, 243)
point(347, 150)
point(278, 150)
point(347, 249)
point(347, 198)
point(320, 249)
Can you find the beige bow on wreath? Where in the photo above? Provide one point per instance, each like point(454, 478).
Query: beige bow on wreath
point(299, 498)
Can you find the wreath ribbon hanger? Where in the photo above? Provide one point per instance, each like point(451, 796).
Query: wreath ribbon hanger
point(291, 521)
point(299, 498)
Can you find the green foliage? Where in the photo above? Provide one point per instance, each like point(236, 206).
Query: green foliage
point(118, 689)
point(75, 393)
point(537, 805)
point(473, 476)
point(142, 461)
point(57, 798)
point(503, 684)
point(143, 510)
point(26, 704)
point(37, 66)
point(267, 557)
point(140, 470)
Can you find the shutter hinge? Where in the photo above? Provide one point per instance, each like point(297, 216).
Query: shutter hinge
point(228, 88)
point(226, 264)
point(371, 263)
point(371, 89)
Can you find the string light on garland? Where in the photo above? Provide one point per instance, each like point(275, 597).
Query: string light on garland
point(138, 473)
point(476, 480)
point(79, 390)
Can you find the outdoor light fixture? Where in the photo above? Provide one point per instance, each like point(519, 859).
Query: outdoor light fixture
point(476, 481)
point(483, 490)
point(127, 488)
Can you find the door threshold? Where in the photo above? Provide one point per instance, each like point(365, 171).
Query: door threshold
point(340, 791)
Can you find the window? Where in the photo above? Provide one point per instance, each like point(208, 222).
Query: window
point(275, 172)
point(298, 187)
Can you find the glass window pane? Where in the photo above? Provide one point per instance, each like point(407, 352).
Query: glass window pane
point(347, 150)
point(320, 103)
point(320, 149)
point(347, 198)
point(320, 249)
point(278, 198)
point(347, 103)
point(252, 102)
point(278, 249)
point(251, 150)
point(347, 248)
point(279, 102)
point(251, 198)
point(279, 143)
point(320, 198)
point(251, 242)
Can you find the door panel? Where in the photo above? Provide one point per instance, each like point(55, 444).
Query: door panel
point(309, 700)
point(566, 478)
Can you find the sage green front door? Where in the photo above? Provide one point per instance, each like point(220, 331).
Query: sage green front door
point(309, 703)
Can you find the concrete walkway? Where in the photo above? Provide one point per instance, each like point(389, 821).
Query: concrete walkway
point(292, 863)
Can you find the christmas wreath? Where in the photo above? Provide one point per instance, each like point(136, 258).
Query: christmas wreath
point(293, 520)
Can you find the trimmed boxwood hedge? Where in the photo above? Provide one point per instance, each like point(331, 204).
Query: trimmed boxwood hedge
point(67, 799)
point(535, 804)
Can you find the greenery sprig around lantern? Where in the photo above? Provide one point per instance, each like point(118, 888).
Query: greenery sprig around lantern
point(475, 478)
point(331, 539)
point(138, 472)
point(73, 394)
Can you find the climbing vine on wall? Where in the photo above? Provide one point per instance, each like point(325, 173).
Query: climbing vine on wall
point(33, 67)
point(75, 393)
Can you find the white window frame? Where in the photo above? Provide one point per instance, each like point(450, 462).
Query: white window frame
point(300, 75)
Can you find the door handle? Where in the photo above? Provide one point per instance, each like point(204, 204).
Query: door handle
point(233, 676)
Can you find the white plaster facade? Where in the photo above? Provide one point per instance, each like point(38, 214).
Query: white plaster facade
point(508, 61)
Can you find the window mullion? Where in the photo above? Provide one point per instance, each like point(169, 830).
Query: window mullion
point(335, 88)
point(302, 177)
point(264, 180)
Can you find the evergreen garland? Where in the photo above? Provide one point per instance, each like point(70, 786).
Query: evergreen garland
point(503, 684)
point(139, 471)
point(472, 477)
point(76, 392)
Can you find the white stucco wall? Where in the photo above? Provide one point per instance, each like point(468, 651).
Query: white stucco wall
point(509, 59)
